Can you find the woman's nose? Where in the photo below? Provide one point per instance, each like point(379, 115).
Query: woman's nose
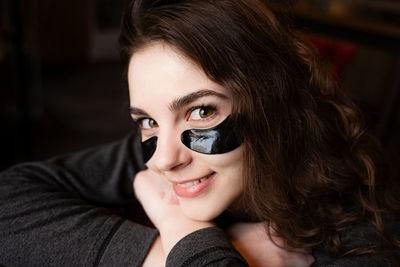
point(170, 153)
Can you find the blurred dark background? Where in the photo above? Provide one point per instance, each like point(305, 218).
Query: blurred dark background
point(62, 88)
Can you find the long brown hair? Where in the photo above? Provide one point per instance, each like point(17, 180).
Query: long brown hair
point(309, 164)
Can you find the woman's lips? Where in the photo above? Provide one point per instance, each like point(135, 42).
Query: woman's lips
point(192, 188)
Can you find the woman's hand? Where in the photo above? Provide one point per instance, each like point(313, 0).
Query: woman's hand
point(253, 243)
point(162, 206)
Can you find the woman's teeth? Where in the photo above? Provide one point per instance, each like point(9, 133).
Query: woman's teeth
point(195, 182)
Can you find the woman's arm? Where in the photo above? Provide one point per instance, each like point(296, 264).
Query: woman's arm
point(56, 213)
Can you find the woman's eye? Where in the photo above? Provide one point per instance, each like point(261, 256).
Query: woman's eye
point(147, 123)
point(201, 113)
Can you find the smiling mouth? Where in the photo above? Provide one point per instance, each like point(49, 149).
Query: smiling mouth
point(194, 187)
point(195, 182)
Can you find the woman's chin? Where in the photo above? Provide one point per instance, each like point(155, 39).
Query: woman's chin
point(201, 215)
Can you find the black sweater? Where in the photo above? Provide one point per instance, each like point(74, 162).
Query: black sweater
point(70, 211)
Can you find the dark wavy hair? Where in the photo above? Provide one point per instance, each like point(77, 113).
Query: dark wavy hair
point(311, 168)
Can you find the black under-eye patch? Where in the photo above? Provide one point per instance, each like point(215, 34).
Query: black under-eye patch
point(216, 140)
point(149, 147)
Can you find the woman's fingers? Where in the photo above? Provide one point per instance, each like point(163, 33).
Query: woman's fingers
point(162, 206)
point(156, 195)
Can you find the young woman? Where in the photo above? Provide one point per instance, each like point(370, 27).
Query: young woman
point(249, 148)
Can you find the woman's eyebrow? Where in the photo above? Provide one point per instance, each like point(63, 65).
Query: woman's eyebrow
point(187, 99)
point(137, 111)
point(180, 102)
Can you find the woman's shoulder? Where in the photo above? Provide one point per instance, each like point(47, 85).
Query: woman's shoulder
point(359, 236)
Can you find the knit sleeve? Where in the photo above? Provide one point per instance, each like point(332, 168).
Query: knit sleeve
point(205, 247)
point(60, 212)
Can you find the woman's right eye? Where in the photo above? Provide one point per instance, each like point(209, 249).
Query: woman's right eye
point(147, 123)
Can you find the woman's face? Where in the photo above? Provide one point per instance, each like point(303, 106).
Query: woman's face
point(169, 95)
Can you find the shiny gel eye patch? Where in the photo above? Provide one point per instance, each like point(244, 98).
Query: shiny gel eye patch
point(216, 140)
point(148, 148)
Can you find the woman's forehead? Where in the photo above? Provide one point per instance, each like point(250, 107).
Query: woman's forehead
point(160, 55)
point(160, 72)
